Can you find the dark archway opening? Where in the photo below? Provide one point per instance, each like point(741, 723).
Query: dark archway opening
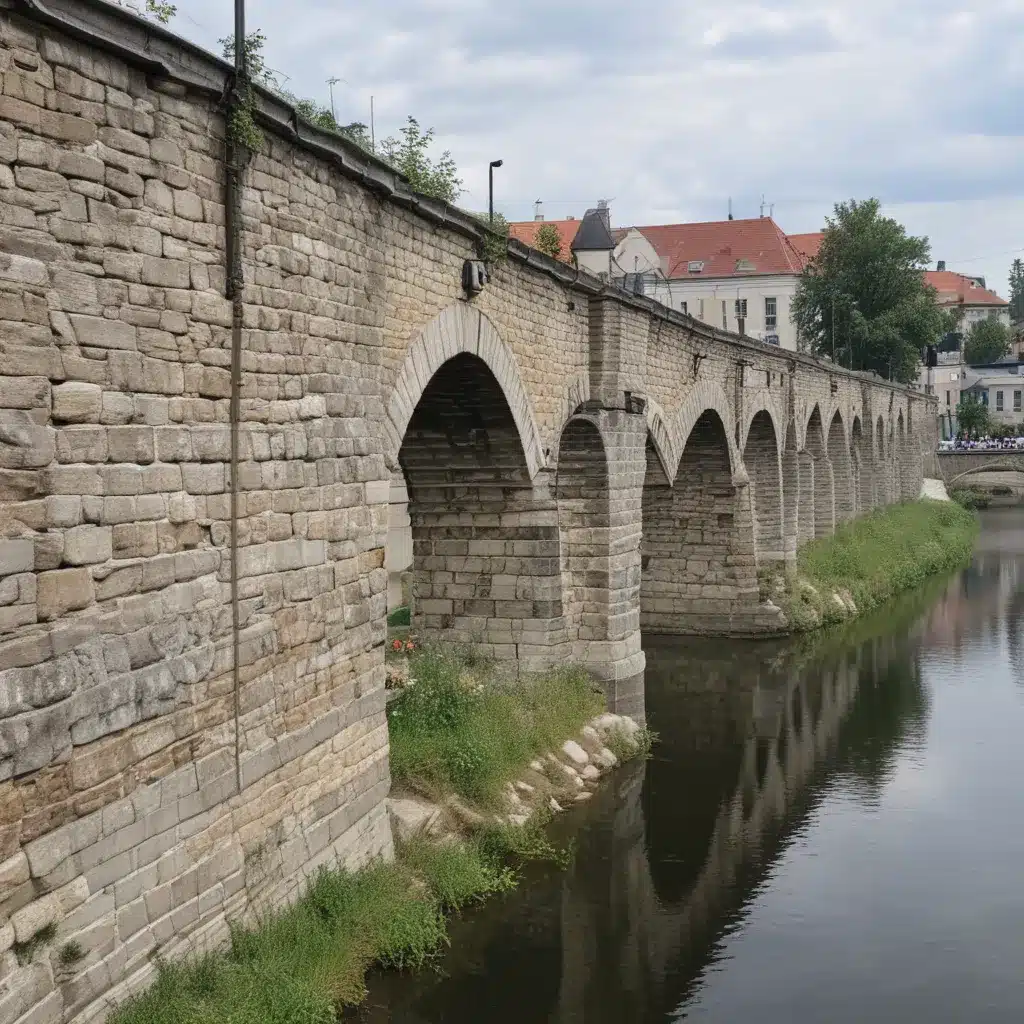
point(485, 551)
point(697, 554)
point(824, 501)
point(761, 458)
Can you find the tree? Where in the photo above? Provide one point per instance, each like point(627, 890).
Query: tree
point(972, 416)
point(162, 12)
point(1017, 291)
point(988, 341)
point(437, 178)
point(952, 335)
point(864, 297)
point(255, 61)
point(548, 241)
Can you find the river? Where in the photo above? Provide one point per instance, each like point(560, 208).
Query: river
point(829, 831)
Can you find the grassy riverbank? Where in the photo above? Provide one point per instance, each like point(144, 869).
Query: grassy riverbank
point(875, 558)
point(457, 735)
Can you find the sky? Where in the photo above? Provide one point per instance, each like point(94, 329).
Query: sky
point(669, 109)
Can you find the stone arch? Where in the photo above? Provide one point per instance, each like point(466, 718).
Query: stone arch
point(460, 329)
point(791, 494)
point(765, 408)
point(860, 449)
point(842, 469)
point(485, 542)
point(706, 396)
point(824, 495)
point(582, 497)
point(660, 439)
point(697, 550)
point(761, 459)
point(902, 461)
point(881, 464)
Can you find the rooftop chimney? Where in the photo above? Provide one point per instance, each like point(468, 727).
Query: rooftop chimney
point(538, 213)
point(605, 213)
point(941, 265)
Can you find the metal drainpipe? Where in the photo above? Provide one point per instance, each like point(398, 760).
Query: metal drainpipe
point(233, 289)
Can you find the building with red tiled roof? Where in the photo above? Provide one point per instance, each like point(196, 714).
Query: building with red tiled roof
point(740, 275)
point(968, 292)
point(807, 244)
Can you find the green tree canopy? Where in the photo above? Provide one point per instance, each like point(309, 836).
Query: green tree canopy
point(972, 416)
point(987, 342)
point(1017, 291)
point(864, 296)
point(548, 241)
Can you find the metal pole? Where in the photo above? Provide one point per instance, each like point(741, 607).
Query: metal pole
point(833, 326)
point(234, 282)
point(240, 37)
point(490, 190)
point(330, 83)
point(373, 139)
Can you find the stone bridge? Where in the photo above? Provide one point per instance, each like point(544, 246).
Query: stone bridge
point(194, 489)
point(954, 466)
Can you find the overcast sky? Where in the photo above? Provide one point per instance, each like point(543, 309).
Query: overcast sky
point(667, 109)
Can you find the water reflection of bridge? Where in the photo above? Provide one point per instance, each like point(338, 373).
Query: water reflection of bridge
point(671, 854)
point(642, 923)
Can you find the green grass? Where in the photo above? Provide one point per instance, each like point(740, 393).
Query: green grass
point(971, 497)
point(451, 732)
point(879, 556)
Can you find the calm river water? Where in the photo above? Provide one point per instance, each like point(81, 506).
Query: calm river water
point(828, 832)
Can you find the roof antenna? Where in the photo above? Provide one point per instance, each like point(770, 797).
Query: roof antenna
point(730, 207)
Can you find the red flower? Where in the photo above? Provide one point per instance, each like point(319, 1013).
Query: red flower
point(409, 645)
point(397, 645)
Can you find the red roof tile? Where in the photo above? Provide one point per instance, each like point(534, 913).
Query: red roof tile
point(525, 231)
point(727, 248)
point(957, 289)
point(807, 244)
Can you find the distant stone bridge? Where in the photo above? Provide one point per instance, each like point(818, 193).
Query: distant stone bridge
point(194, 489)
point(955, 466)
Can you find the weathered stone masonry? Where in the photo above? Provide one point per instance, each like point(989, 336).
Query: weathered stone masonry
point(579, 462)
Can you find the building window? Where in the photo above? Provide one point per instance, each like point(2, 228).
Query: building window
point(1016, 401)
point(682, 306)
point(947, 398)
point(725, 316)
point(770, 314)
point(999, 401)
point(984, 398)
point(741, 309)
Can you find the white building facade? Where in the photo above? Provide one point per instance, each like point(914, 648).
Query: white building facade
point(738, 275)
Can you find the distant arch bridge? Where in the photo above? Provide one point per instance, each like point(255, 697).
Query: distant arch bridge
point(955, 466)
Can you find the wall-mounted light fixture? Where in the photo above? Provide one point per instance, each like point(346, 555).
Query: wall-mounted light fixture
point(474, 276)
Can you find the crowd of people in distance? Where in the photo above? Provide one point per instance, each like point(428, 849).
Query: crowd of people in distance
point(983, 444)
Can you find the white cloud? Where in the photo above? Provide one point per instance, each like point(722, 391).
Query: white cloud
point(670, 109)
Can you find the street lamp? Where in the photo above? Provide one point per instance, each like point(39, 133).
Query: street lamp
point(490, 190)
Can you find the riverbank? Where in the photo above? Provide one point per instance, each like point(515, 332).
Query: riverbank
point(990, 490)
point(479, 765)
point(873, 559)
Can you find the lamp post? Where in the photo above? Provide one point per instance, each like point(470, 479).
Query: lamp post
point(490, 190)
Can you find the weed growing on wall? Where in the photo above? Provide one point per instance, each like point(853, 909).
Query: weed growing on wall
point(450, 731)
